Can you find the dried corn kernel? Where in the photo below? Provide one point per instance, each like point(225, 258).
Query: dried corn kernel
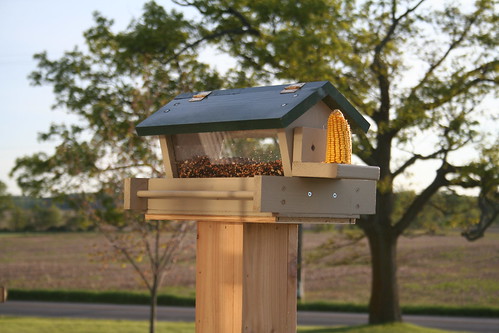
point(339, 139)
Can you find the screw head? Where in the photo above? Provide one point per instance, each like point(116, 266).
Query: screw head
point(284, 104)
point(335, 195)
point(309, 194)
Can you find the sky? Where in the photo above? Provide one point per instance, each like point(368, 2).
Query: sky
point(32, 26)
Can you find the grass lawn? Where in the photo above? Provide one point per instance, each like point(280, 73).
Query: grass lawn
point(58, 325)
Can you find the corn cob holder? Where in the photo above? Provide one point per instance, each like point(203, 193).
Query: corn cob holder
point(339, 139)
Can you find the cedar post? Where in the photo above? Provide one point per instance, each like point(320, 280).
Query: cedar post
point(246, 277)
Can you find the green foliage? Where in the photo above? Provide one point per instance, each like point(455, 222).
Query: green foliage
point(445, 210)
point(47, 217)
point(34, 214)
point(5, 200)
point(78, 222)
point(19, 220)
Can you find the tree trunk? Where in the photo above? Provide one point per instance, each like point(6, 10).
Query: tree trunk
point(384, 305)
point(153, 309)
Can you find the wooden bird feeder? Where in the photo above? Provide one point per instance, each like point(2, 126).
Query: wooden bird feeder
point(247, 165)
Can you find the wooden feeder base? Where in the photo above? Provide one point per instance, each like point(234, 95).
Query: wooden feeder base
point(246, 277)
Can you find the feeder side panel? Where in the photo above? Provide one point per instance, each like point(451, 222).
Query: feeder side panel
point(293, 195)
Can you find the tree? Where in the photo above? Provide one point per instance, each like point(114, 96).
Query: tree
point(151, 249)
point(117, 79)
point(46, 217)
point(5, 201)
point(366, 50)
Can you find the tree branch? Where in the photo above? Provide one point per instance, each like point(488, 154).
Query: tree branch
point(417, 204)
point(440, 60)
point(395, 23)
point(246, 28)
point(379, 68)
point(415, 158)
point(489, 211)
point(363, 149)
point(132, 261)
point(460, 85)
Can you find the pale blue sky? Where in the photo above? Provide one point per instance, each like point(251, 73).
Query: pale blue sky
point(28, 27)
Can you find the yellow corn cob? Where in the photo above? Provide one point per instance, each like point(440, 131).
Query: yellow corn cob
point(339, 139)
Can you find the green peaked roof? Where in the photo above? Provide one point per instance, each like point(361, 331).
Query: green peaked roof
point(245, 109)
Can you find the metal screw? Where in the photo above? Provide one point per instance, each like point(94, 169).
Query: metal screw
point(284, 104)
point(295, 95)
point(176, 104)
point(283, 202)
point(309, 194)
point(166, 111)
point(335, 195)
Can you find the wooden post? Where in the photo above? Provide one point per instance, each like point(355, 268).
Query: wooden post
point(3, 294)
point(246, 277)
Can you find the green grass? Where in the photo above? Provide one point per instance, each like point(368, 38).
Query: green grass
point(387, 328)
point(57, 325)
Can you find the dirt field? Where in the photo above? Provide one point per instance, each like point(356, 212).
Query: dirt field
point(443, 270)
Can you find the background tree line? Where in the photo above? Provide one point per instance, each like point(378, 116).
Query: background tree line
point(21, 213)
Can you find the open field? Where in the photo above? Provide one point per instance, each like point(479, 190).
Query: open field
point(433, 270)
point(53, 325)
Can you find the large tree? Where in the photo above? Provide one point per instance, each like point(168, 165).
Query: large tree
point(115, 80)
point(413, 69)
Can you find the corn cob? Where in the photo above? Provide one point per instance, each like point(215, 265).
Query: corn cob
point(339, 139)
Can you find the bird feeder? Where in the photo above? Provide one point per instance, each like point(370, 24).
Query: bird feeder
point(249, 165)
